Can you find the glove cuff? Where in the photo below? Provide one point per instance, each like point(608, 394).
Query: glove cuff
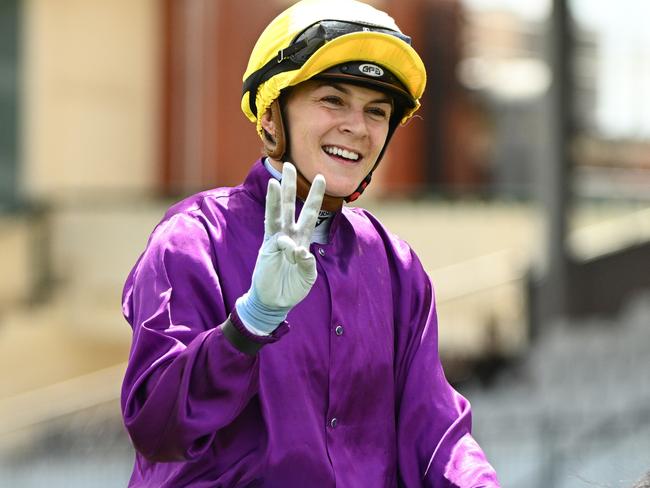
point(257, 317)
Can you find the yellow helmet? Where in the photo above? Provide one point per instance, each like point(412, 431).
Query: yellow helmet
point(314, 36)
point(346, 40)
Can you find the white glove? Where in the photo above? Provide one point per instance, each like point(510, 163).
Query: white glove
point(285, 269)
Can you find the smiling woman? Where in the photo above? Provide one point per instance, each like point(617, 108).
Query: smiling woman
point(352, 393)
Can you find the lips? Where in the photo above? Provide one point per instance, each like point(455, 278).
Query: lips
point(342, 153)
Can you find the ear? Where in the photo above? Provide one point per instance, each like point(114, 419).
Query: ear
point(268, 125)
point(273, 135)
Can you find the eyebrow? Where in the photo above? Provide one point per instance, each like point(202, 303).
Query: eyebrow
point(343, 89)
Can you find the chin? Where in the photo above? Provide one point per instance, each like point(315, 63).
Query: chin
point(340, 191)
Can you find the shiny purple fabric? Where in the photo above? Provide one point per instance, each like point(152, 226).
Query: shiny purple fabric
point(202, 414)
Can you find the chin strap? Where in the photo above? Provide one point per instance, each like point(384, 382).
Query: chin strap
point(360, 189)
point(330, 203)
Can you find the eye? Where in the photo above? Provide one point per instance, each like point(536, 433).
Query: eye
point(332, 100)
point(378, 113)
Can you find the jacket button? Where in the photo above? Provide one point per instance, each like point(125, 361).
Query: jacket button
point(339, 330)
point(333, 422)
point(321, 251)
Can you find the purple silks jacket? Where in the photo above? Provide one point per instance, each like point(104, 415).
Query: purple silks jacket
point(349, 392)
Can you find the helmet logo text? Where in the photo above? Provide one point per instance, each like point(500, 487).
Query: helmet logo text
point(371, 70)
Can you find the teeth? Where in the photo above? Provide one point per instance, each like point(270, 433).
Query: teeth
point(341, 152)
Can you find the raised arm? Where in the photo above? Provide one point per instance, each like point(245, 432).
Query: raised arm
point(285, 269)
point(188, 375)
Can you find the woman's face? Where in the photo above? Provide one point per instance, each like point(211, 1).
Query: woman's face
point(337, 130)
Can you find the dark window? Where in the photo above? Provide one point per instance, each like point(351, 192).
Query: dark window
point(9, 89)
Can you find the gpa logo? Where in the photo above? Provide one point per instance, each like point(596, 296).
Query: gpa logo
point(371, 70)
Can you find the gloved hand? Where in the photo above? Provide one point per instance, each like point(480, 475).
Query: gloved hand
point(285, 269)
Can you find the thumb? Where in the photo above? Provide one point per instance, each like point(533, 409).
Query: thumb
point(305, 261)
point(288, 246)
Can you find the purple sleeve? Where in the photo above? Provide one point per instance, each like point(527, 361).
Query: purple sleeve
point(184, 380)
point(435, 446)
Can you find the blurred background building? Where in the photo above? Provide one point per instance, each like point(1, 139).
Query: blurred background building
point(524, 186)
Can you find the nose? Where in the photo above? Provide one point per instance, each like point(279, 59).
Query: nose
point(354, 123)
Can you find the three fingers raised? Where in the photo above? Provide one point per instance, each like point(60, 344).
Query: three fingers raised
point(281, 206)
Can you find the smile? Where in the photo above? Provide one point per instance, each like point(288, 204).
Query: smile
point(342, 153)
